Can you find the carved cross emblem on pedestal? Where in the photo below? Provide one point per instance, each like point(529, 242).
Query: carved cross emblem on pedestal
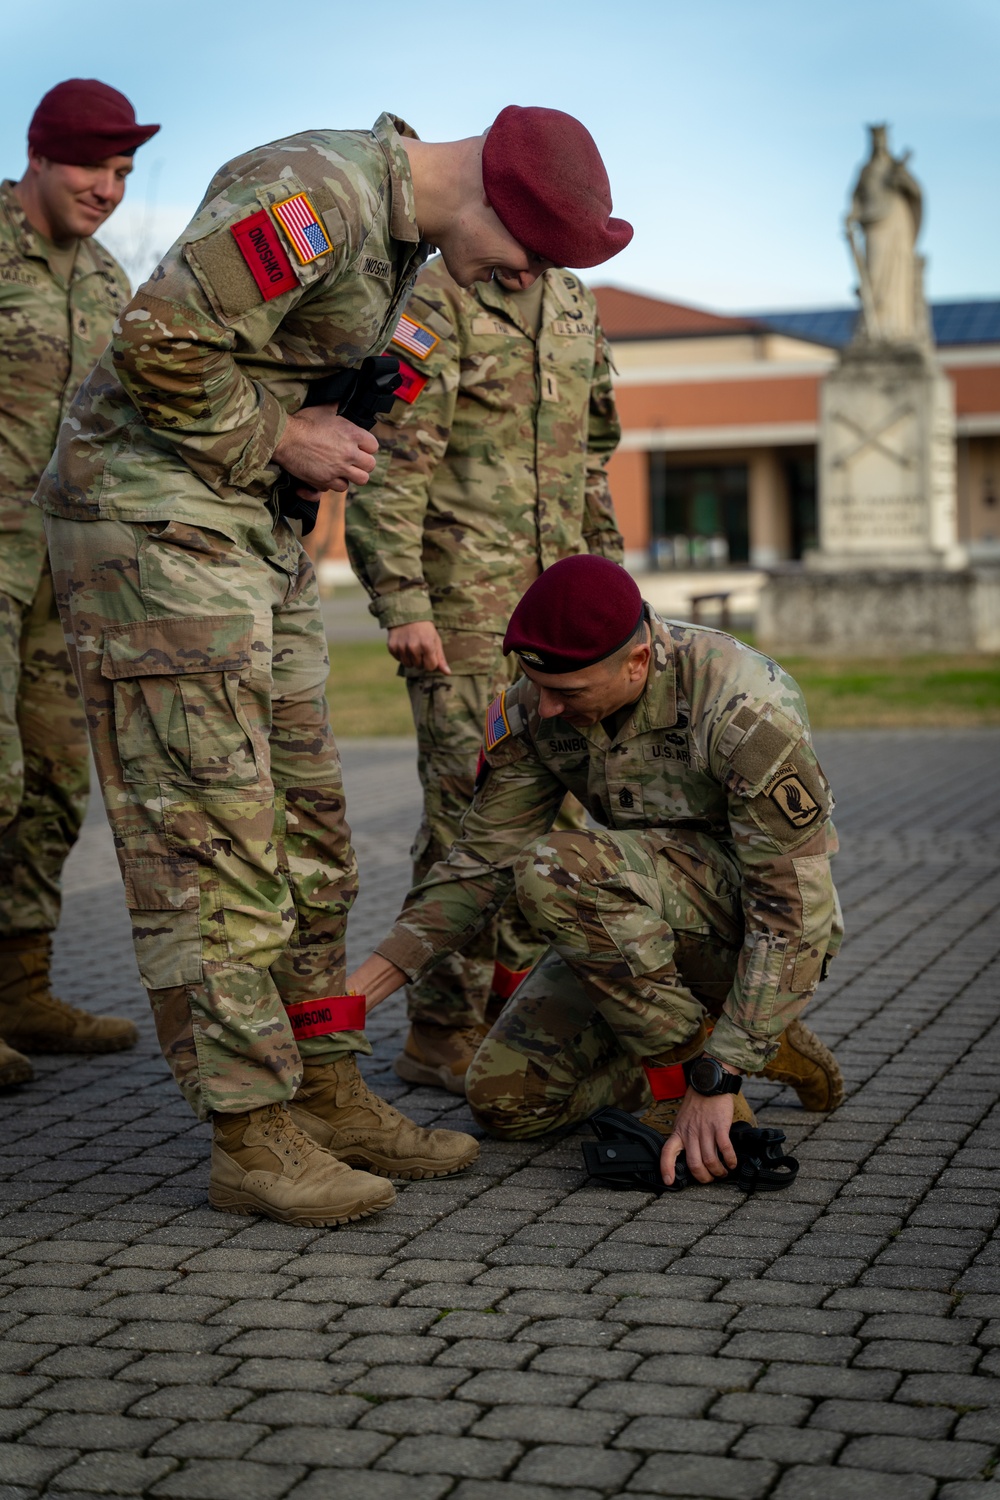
point(873, 438)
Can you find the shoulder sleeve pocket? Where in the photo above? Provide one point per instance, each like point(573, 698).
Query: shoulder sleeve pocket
point(755, 744)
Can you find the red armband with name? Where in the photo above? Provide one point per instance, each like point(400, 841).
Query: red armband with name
point(322, 1017)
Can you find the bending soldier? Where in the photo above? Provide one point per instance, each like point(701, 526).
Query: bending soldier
point(59, 293)
point(491, 467)
point(698, 921)
point(195, 623)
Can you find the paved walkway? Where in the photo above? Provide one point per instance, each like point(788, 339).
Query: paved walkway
point(514, 1334)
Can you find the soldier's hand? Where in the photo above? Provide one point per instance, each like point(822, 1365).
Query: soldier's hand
point(702, 1133)
point(418, 645)
point(325, 451)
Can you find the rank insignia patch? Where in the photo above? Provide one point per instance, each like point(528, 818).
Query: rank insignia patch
point(497, 723)
point(264, 253)
point(795, 802)
point(411, 383)
point(414, 337)
point(297, 218)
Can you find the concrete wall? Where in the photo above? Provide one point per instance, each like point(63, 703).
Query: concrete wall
point(870, 613)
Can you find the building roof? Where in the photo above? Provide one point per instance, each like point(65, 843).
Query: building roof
point(634, 315)
point(631, 315)
point(971, 322)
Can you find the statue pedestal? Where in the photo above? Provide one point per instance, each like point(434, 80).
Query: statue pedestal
point(887, 462)
point(890, 577)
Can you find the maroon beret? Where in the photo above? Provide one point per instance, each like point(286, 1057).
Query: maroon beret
point(576, 613)
point(82, 121)
point(545, 180)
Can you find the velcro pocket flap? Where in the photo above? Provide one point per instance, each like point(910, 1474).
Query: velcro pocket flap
point(769, 738)
point(161, 884)
point(172, 647)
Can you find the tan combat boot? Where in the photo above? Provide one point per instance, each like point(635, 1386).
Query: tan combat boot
point(338, 1109)
point(32, 1017)
point(14, 1067)
point(262, 1163)
point(662, 1115)
point(809, 1067)
point(439, 1056)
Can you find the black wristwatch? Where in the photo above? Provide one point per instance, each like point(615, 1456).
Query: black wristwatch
point(706, 1076)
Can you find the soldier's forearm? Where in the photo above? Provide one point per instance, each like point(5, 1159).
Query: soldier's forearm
point(376, 979)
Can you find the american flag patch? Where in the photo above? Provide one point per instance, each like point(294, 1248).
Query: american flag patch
point(497, 723)
point(297, 218)
point(414, 337)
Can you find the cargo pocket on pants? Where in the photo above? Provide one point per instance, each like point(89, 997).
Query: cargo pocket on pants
point(179, 696)
point(163, 901)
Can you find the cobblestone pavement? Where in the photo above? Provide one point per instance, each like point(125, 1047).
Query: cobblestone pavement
point(514, 1331)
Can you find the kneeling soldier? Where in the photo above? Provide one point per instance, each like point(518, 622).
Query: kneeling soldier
point(698, 921)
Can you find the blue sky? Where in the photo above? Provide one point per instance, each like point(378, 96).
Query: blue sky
point(731, 129)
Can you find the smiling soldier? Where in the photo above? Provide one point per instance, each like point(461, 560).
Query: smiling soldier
point(59, 293)
point(695, 925)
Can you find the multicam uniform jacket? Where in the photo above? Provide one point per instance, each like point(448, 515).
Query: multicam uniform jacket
point(493, 467)
point(296, 263)
point(51, 333)
point(719, 745)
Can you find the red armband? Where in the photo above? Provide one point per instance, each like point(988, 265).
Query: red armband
point(322, 1017)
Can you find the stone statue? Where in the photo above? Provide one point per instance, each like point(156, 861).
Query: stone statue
point(886, 209)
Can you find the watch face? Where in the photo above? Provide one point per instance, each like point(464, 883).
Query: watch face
point(705, 1075)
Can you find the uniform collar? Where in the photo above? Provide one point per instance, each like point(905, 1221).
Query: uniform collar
point(27, 240)
point(656, 708)
point(491, 294)
point(389, 130)
point(90, 255)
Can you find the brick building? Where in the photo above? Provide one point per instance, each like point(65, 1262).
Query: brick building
point(717, 465)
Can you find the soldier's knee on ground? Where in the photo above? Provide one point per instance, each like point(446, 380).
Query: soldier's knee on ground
point(504, 1103)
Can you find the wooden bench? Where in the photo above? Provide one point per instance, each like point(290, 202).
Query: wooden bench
point(697, 600)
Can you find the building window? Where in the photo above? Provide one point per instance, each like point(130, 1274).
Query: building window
point(800, 478)
point(698, 514)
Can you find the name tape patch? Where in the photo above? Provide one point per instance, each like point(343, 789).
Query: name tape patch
point(321, 1017)
point(414, 337)
point(297, 218)
point(411, 383)
point(264, 253)
point(483, 323)
point(371, 266)
point(497, 723)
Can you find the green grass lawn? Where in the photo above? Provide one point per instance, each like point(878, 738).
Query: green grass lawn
point(368, 699)
point(365, 695)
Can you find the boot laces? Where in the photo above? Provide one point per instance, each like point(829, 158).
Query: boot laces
point(362, 1095)
point(62, 1008)
point(287, 1136)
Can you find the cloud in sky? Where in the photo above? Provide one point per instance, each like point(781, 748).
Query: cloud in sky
point(731, 131)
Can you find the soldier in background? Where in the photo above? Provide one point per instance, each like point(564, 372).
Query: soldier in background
point(194, 621)
point(59, 293)
point(492, 465)
point(699, 919)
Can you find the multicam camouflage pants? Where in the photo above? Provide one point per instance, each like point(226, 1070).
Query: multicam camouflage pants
point(44, 771)
point(645, 932)
point(449, 714)
point(203, 668)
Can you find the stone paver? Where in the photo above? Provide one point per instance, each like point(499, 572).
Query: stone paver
point(516, 1332)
